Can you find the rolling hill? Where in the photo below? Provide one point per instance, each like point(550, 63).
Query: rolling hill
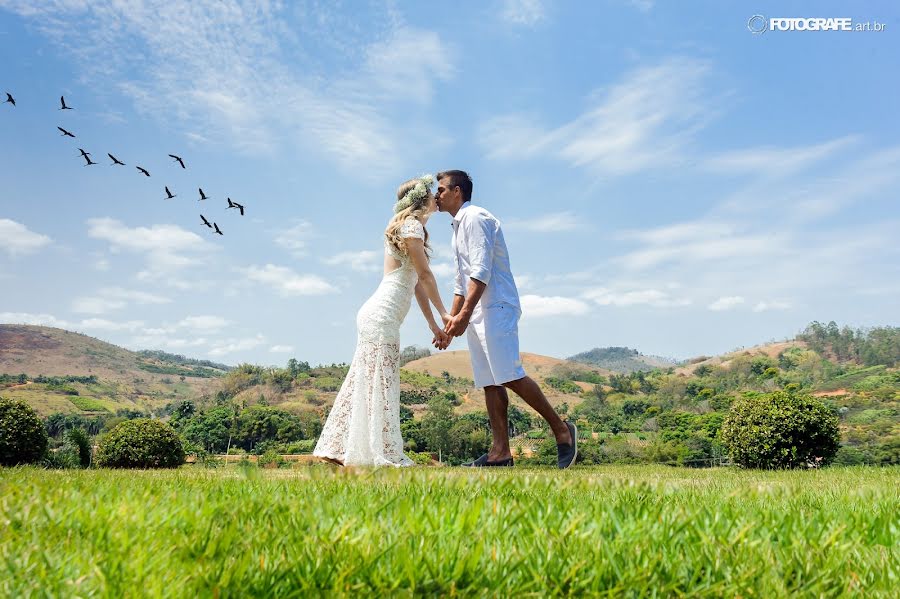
point(123, 379)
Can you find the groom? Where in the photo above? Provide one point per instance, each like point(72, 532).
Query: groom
point(486, 308)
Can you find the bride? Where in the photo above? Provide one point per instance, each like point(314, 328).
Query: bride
point(363, 427)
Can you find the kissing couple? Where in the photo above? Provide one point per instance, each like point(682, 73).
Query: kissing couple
point(363, 427)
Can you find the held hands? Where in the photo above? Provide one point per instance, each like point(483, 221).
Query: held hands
point(441, 340)
point(457, 325)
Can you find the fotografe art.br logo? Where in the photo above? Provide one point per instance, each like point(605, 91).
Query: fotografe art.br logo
point(758, 24)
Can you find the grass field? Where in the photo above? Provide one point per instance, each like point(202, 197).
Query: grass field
point(615, 531)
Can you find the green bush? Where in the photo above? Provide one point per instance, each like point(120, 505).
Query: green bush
point(23, 437)
point(780, 430)
point(64, 458)
point(270, 459)
point(421, 458)
point(141, 443)
point(79, 441)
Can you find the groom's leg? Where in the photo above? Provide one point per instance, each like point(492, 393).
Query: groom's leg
point(528, 390)
point(497, 402)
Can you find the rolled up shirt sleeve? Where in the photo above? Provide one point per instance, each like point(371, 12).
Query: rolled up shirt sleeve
point(480, 242)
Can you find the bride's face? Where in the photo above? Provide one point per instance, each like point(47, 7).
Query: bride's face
point(430, 205)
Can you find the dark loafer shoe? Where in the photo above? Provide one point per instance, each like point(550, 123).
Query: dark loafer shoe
point(483, 462)
point(565, 452)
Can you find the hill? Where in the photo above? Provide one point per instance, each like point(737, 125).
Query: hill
point(558, 378)
point(74, 373)
point(622, 359)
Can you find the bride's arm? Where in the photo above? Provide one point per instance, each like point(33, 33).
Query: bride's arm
point(422, 299)
point(416, 249)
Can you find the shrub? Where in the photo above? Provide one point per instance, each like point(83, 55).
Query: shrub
point(780, 430)
point(141, 443)
point(79, 441)
point(23, 437)
point(270, 459)
point(64, 458)
point(421, 458)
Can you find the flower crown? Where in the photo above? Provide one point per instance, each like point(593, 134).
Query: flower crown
point(416, 194)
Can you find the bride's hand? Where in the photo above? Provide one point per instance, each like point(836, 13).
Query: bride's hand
point(445, 317)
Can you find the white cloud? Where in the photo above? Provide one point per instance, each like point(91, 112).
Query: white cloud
point(17, 239)
point(523, 12)
point(537, 306)
point(281, 349)
point(114, 298)
point(547, 223)
point(102, 324)
point(771, 305)
point(771, 160)
point(235, 345)
point(363, 261)
point(634, 297)
point(47, 320)
point(288, 282)
point(645, 121)
point(726, 303)
point(167, 249)
point(407, 64)
point(204, 323)
point(296, 238)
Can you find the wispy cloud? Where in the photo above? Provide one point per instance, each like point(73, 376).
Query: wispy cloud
point(539, 306)
point(362, 261)
point(231, 346)
point(281, 349)
point(771, 161)
point(114, 298)
point(287, 282)
point(646, 120)
point(17, 239)
point(237, 72)
point(525, 13)
point(726, 303)
point(547, 223)
point(633, 297)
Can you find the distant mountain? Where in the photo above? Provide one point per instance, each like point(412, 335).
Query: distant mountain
point(622, 359)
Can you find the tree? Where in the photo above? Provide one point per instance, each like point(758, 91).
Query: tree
point(436, 425)
point(780, 430)
point(23, 437)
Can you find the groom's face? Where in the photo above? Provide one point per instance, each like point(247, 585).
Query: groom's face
point(447, 197)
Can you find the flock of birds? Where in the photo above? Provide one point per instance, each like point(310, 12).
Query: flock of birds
point(142, 170)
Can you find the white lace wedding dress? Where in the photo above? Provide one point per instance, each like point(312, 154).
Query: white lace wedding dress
point(363, 427)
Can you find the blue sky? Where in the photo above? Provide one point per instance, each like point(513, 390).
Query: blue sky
point(666, 179)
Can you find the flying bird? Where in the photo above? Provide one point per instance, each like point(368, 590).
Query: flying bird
point(169, 193)
point(143, 170)
point(202, 195)
point(9, 99)
point(178, 160)
point(64, 132)
point(205, 222)
point(89, 161)
point(217, 229)
point(115, 160)
point(83, 153)
point(62, 102)
point(239, 207)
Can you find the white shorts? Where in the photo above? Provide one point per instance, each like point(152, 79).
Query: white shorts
point(494, 346)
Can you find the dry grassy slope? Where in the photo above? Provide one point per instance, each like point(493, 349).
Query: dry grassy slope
point(35, 350)
point(538, 367)
point(769, 349)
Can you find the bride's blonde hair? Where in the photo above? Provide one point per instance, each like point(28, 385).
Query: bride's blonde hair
point(415, 209)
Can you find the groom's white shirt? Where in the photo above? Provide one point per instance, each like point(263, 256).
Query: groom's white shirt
point(481, 254)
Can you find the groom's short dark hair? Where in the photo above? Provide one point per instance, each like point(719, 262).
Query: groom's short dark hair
point(460, 179)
